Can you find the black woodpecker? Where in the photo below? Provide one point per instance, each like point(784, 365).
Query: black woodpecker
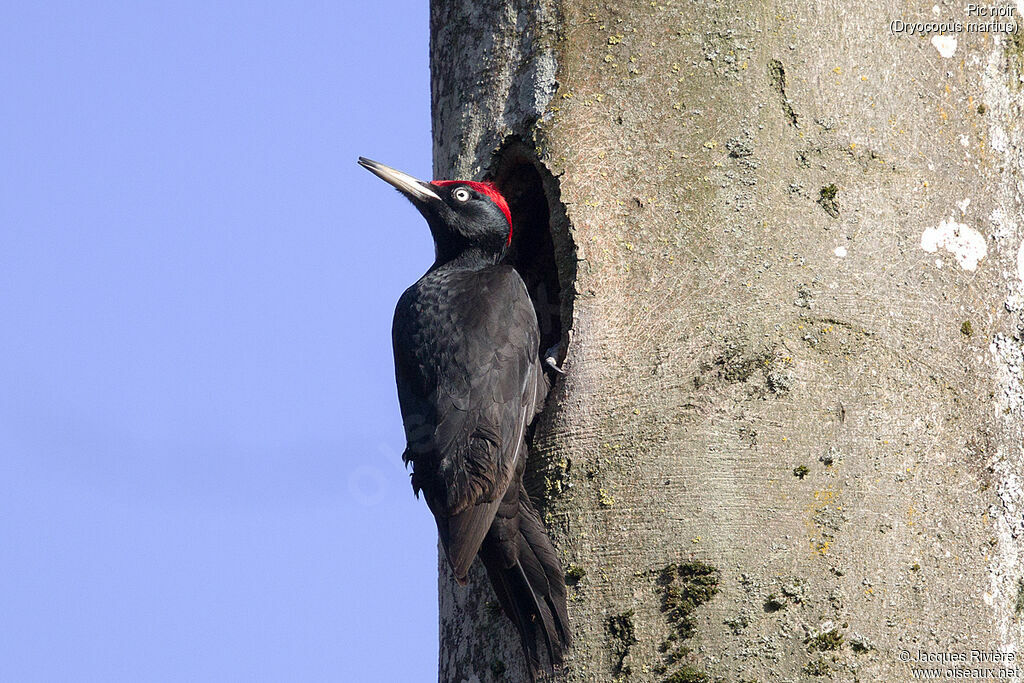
point(470, 381)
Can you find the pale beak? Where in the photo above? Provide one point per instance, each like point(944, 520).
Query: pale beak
point(414, 189)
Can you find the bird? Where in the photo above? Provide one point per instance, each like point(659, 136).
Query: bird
point(470, 381)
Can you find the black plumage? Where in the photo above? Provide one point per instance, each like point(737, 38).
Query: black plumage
point(470, 381)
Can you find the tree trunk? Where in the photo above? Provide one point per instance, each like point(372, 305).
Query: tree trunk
point(785, 243)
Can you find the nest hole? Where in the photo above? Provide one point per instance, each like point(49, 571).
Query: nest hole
point(541, 250)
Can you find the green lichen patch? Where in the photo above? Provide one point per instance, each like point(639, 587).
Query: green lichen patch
point(801, 471)
point(688, 674)
point(828, 199)
point(828, 640)
point(687, 586)
point(574, 574)
point(622, 633)
point(556, 477)
point(967, 329)
point(1019, 607)
point(684, 587)
point(817, 667)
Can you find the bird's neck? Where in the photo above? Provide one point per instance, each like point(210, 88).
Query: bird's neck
point(470, 258)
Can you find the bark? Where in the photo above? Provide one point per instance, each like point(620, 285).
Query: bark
point(789, 440)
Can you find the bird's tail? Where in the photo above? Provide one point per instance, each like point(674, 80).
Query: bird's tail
point(528, 579)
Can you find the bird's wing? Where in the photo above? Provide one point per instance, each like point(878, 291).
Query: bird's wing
point(467, 399)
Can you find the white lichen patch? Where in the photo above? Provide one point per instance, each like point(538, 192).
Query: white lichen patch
point(1002, 225)
point(963, 205)
point(1000, 141)
point(965, 243)
point(841, 252)
point(946, 45)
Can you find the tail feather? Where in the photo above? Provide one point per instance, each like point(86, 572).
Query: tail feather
point(539, 544)
point(528, 580)
point(519, 604)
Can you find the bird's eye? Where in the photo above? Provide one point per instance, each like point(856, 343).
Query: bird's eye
point(461, 194)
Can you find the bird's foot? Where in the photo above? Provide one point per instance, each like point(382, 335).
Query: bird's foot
point(551, 358)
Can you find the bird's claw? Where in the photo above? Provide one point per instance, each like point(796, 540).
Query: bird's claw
point(551, 358)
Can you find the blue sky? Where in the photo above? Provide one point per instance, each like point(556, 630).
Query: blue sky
point(200, 474)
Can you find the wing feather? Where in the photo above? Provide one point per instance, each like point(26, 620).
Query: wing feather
point(468, 370)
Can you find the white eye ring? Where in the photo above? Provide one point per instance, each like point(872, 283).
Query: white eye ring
point(461, 194)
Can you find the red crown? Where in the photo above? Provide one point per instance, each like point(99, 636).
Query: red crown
point(488, 189)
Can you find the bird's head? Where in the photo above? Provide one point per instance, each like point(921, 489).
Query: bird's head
point(463, 215)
